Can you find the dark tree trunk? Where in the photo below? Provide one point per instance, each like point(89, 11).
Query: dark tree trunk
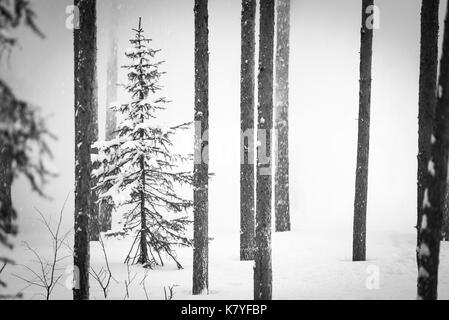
point(201, 166)
point(7, 213)
point(143, 259)
point(111, 118)
point(361, 184)
point(85, 45)
point(427, 95)
point(435, 184)
point(143, 219)
point(94, 222)
point(282, 199)
point(6, 177)
point(262, 269)
point(247, 104)
point(445, 227)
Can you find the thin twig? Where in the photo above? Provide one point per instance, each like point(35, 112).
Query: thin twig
point(46, 276)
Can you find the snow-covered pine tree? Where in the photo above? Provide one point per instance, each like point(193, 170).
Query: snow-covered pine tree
point(138, 171)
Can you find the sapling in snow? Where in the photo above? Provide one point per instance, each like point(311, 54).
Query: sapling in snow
point(138, 171)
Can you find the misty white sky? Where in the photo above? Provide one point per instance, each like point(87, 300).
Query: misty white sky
point(325, 41)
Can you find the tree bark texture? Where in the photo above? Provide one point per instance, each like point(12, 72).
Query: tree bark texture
point(262, 269)
point(247, 105)
point(427, 95)
point(435, 184)
point(281, 198)
point(85, 47)
point(201, 166)
point(361, 184)
point(7, 213)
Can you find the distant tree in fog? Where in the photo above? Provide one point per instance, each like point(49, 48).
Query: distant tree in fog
point(106, 206)
point(361, 184)
point(435, 183)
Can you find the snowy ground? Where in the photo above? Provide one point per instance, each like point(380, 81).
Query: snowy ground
point(317, 265)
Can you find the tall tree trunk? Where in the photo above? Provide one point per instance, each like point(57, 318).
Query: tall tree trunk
point(94, 222)
point(6, 210)
point(427, 95)
point(262, 269)
point(445, 227)
point(435, 184)
point(361, 184)
point(85, 46)
point(247, 104)
point(143, 259)
point(111, 118)
point(282, 199)
point(201, 166)
point(7, 213)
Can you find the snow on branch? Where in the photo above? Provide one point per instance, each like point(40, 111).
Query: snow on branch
point(138, 172)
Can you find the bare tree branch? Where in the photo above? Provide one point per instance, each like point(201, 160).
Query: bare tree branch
point(47, 274)
point(104, 276)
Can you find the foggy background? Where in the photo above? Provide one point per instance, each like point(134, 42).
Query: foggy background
point(324, 73)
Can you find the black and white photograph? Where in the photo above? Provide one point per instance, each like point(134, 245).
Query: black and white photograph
point(224, 150)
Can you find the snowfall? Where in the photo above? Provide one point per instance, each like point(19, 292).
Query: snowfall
point(313, 261)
